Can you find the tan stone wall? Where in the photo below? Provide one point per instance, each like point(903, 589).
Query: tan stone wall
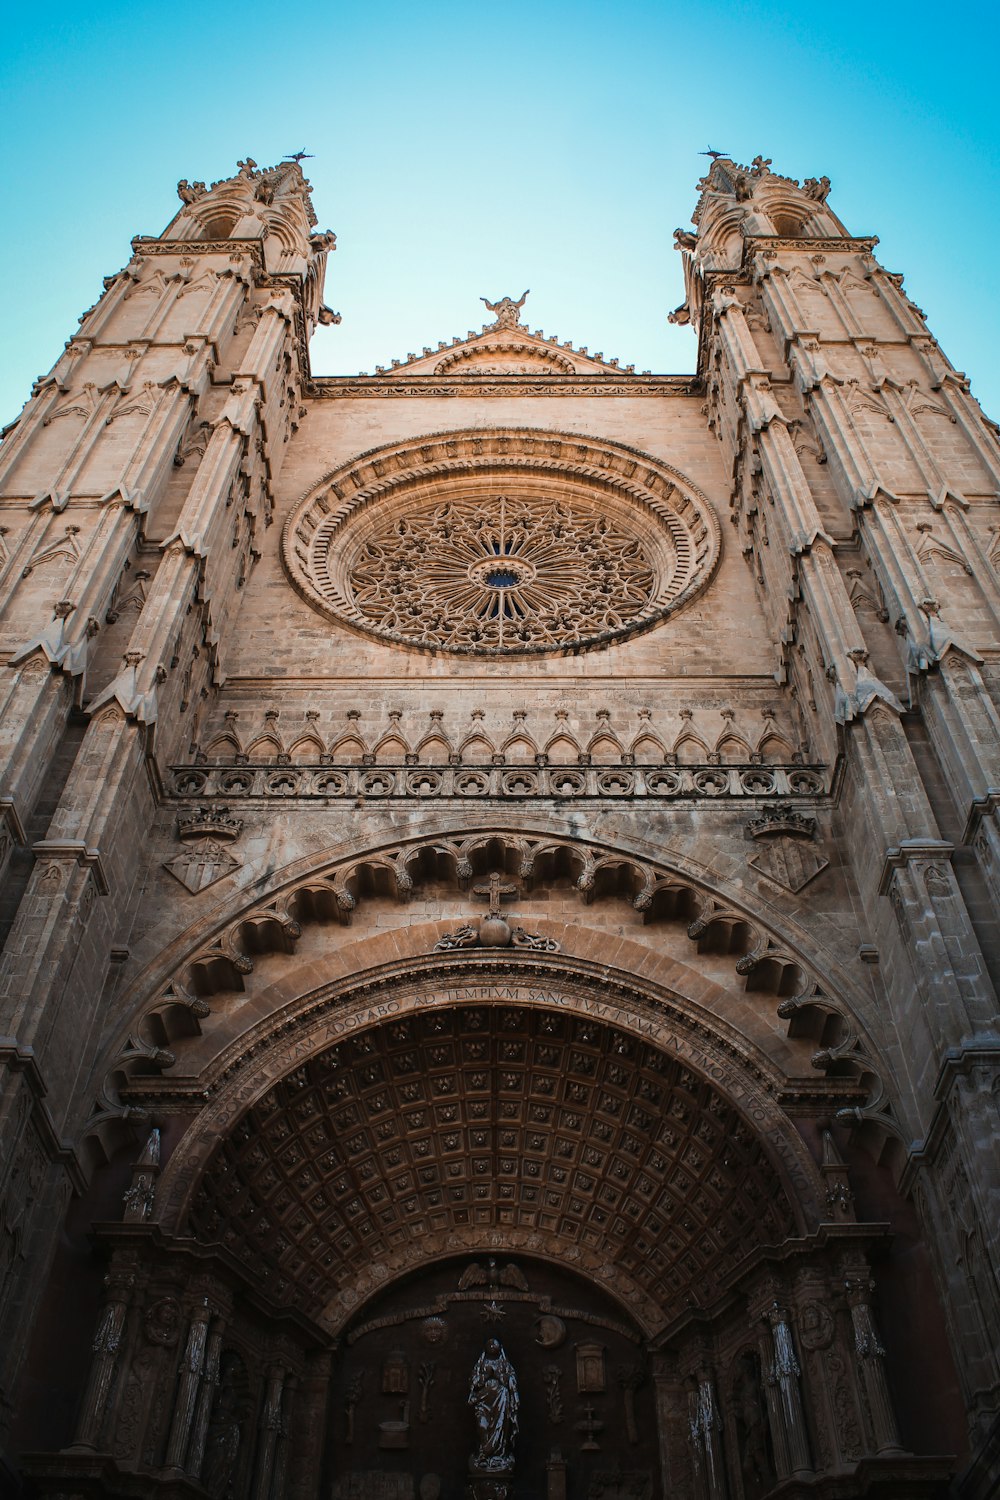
point(838, 676)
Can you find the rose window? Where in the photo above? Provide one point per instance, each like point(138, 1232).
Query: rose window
point(502, 574)
point(501, 558)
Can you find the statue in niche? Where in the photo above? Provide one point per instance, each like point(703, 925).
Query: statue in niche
point(752, 1435)
point(425, 1379)
point(355, 1390)
point(493, 1396)
point(222, 1444)
point(552, 1376)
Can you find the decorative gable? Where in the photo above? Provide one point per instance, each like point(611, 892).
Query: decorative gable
point(505, 347)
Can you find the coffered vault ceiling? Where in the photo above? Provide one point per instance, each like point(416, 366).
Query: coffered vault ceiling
point(491, 1119)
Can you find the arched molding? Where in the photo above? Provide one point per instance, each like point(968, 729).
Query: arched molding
point(508, 349)
point(337, 1011)
point(811, 990)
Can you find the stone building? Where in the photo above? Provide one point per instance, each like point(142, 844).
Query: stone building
point(499, 975)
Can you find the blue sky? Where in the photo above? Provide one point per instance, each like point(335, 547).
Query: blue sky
point(465, 150)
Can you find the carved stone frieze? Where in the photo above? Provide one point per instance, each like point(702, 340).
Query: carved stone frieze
point(658, 893)
point(695, 782)
point(492, 385)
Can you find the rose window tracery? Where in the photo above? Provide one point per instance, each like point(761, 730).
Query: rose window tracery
point(501, 543)
point(502, 573)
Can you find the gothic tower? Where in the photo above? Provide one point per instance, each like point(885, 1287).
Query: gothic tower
point(500, 867)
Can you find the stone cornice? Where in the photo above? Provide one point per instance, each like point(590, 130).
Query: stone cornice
point(429, 387)
point(769, 1257)
point(850, 244)
point(909, 852)
point(122, 1236)
point(150, 245)
point(10, 815)
point(957, 1063)
point(17, 1059)
point(984, 806)
point(77, 851)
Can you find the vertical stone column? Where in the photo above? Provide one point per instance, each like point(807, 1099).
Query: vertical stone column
point(35, 700)
point(870, 1355)
point(958, 999)
point(206, 1399)
point(107, 1343)
point(270, 1426)
point(699, 1478)
point(187, 1390)
point(786, 1374)
point(308, 1429)
point(669, 1397)
point(709, 1433)
point(762, 1297)
point(819, 1323)
point(280, 1470)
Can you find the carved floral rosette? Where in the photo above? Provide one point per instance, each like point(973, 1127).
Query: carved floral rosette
point(504, 542)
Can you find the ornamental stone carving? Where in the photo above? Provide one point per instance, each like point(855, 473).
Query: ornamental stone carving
point(502, 543)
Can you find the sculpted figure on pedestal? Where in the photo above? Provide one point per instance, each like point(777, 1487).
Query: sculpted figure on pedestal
point(223, 1442)
point(493, 1396)
point(507, 310)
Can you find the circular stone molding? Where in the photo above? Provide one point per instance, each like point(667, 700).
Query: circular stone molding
point(505, 542)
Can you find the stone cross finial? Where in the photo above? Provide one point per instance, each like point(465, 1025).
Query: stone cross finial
point(495, 892)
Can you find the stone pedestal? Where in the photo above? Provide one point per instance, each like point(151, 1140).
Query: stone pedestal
point(555, 1476)
point(488, 1484)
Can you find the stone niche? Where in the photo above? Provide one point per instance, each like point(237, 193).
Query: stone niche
point(400, 1445)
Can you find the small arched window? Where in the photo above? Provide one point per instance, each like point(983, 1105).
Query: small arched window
point(220, 226)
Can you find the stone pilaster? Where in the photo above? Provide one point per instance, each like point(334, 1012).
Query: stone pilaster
point(870, 1356)
point(787, 1375)
point(107, 1344)
point(189, 1386)
point(270, 1427)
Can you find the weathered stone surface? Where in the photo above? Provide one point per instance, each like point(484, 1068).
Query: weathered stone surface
point(521, 837)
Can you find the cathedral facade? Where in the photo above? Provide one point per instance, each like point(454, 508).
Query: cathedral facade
point(500, 866)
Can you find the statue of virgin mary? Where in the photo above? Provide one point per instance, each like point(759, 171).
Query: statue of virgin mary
point(494, 1399)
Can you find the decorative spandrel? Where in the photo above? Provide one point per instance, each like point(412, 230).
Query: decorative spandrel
point(506, 542)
